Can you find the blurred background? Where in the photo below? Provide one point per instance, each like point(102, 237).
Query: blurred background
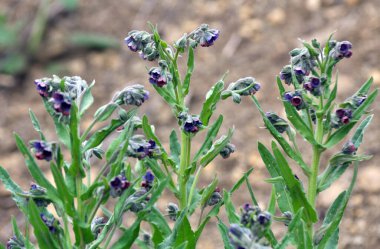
point(70, 37)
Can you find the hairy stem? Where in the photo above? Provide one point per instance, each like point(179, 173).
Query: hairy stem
point(184, 163)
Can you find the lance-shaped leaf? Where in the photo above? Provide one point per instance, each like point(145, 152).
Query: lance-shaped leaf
point(86, 100)
point(189, 72)
point(160, 227)
point(12, 187)
point(36, 124)
point(232, 216)
point(295, 118)
point(299, 199)
point(104, 112)
point(76, 166)
point(212, 98)
point(216, 148)
point(281, 140)
point(129, 236)
point(223, 229)
point(175, 147)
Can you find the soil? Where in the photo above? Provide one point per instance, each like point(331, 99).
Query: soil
point(254, 41)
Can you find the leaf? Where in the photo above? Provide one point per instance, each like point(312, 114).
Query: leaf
point(99, 136)
point(212, 98)
point(230, 209)
point(281, 140)
point(339, 135)
point(216, 148)
point(253, 198)
point(44, 237)
point(190, 68)
point(166, 95)
point(160, 227)
point(357, 138)
point(331, 97)
point(299, 199)
point(12, 187)
point(175, 147)
point(128, 237)
point(364, 106)
point(87, 100)
point(104, 112)
point(272, 202)
point(76, 166)
point(364, 89)
point(208, 191)
point(295, 118)
point(283, 199)
point(291, 230)
point(223, 229)
point(36, 124)
point(211, 134)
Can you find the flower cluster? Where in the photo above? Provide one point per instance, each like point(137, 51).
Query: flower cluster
point(61, 103)
point(15, 243)
point(160, 76)
point(295, 98)
point(242, 87)
point(204, 36)
point(132, 95)
point(227, 150)
point(303, 62)
point(313, 85)
point(140, 148)
point(341, 117)
point(190, 123)
point(118, 184)
point(42, 150)
point(215, 197)
point(279, 123)
point(341, 49)
point(142, 42)
point(38, 194)
point(251, 230)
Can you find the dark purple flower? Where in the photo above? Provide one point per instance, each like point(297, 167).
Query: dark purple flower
point(315, 82)
point(43, 88)
point(342, 116)
point(308, 86)
point(42, 150)
point(61, 103)
point(209, 38)
point(147, 182)
point(300, 71)
point(342, 50)
point(158, 77)
point(215, 198)
point(131, 43)
point(117, 185)
point(192, 124)
point(287, 96)
point(296, 101)
point(286, 75)
point(349, 148)
point(264, 218)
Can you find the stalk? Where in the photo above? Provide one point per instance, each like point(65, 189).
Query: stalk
point(78, 181)
point(184, 163)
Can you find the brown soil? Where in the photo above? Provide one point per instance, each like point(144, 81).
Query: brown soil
point(254, 41)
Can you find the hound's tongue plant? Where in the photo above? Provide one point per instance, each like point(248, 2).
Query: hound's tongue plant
point(107, 210)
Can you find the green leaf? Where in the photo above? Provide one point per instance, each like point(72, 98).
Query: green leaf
point(36, 124)
point(364, 106)
point(216, 148)
point(281, 140)
point(212, 98)
point(232, 216)
point(364, 89)
point(190, 68)
point(223, 229)
point(272, 202)
point(331, 97)
point(76, 166)
point(283, 199)
point(291, 230)
point(339, 135)
point(211, 134)
point(159, 225)
point(128, 237)
point(99, 136)
point(296, 192)
point(104, 112)
point(253, 198)
point(87, 100)
point(12, 187)
point(295, 118)
point(166, 95)
point(208, 191)
point(175, 147)
point(44, 237)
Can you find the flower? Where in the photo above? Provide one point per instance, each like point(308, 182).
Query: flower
point(191, 123)
point(342, 50)
point(141, 148)
point(133, 95)
point(205, 36)
point(160, 76)
point(341, 117)
point(286, 74)
point(42, 150)
point(35, 191)
point(279, 123)
point(215, 197)
point(147, 182)
point(295, 99)
point(43, 87)
point(15, 243)
point(349, 148)
point(313, 85)
point(227, 150)
point(142, 42)
point(61, 103)
point(172, 210)
point(117, 185)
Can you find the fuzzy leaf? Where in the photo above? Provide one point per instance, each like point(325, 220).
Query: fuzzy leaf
point(175, 147)
point(216, 148)
point(87, 100)
point(36, 124)
point(212, 98)
point(223, 229)
point(190, 68)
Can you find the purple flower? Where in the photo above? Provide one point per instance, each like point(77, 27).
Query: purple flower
point(287, 96)
point(43, 88)
point(61, 103)
point(133, 95)
point(117, 185)
point(342, 50)
point(159, 76)
point(147, 182)
point(341, 117)
point(204, 35)
point(42, 150)
point(264, 218)
point(349, 148)
point(141, 148)
point(215, 197)
point(286, 75)
point(300, 71)
point(192, 124)
point(295, 99)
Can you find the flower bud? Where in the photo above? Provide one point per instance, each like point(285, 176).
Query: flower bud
point(286, 75)
point(341, 117)
point(133, 95)
point(42, 150)
point(181, 43)
point(97, 225)
point(117, 185)
point(50, 222)
point(61, 103)
point(15, 243)
point(240, 237)
point(349, 148)
point(342, 50)
point(43, 87)
point(141, 148)
point(205, 36)
point(190, 123)
point(227, 150)
point(136, 40)
point(215, 198)
point(172, 210)
point(279, 123)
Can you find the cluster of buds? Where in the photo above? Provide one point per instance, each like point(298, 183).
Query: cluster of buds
point(172, 211)
point(51, 222)
point(142, 42)
point(296, 99)
point(349, 148)
point(160, 76)
point(227, 150)
point(279, 123)
point(42, 150)
point(148, 180)
point(242, 87)
point(141, 148)
point(190, 123)
point(302, 61)
point(118, 185)
point(15, 243)
point(341, 117)
point(132, 95)
point(61, 91)
point(340, 50)
point(251, 230)
point(313, 85)
point(354, 101)
point(97, 225)
point(204, 36)
point(38, 194)
point(215, 197)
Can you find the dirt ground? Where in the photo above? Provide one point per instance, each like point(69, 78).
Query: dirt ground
point(254, 41)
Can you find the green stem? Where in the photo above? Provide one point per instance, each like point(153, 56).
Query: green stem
point(184, 163)
point(194, 185)
point(78, 182)
point(67, 231)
